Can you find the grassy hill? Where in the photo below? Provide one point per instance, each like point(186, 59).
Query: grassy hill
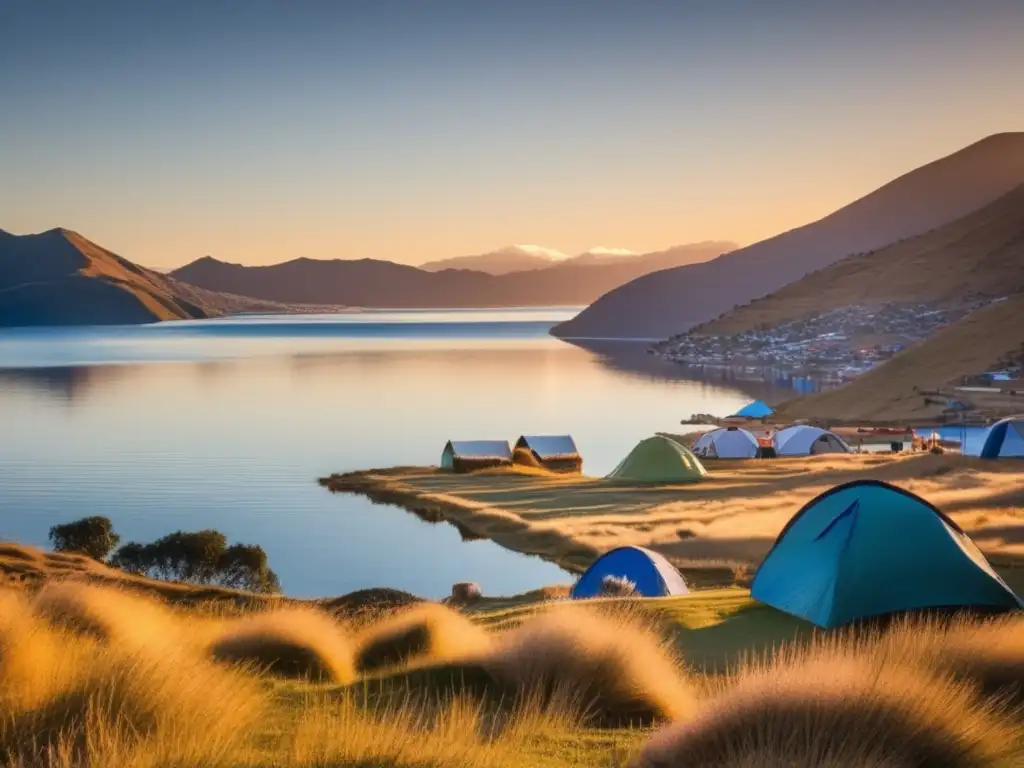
point(980, 254)
point(93, 675)
point(669, 302)
point(59, 277)
point(887, 393)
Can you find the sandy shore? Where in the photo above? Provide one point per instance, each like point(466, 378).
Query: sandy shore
point(717, 531)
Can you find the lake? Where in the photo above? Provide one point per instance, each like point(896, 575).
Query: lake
point(229, 423)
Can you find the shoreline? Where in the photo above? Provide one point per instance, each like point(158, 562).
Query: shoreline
point(715, 532)
point(385, 486)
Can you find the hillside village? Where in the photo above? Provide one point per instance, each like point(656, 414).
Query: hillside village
point(844, 341)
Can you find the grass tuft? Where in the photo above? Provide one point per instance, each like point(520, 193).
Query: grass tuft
point(67, 698)
point(294, 643)
point(838, 709)
point(612, 666)
point(28, 655)
point(343, 734)
point(990, 655)
point(428, 632)
point(105, 613)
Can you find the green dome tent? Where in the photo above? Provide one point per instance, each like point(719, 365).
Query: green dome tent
point(659, 460)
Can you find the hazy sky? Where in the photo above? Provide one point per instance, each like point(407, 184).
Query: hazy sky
point(260, 131)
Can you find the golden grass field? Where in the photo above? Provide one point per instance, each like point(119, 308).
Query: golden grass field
point(103, 668)
point(94, 675)
point(715, 532)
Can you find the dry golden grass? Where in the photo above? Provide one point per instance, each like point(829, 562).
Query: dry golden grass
point(294, 642)
point(65, 696)
point(524, 457)
point(730, 521)
point(838, 710)
point(28, 653)
point(105, 613)
point(427, 632)
point(917, 694)
point(990, 655)
point(342, 734)
point(614, 668)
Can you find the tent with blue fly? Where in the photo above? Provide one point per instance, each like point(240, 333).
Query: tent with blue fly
point(755, 410)
point(867, 549)
point(1005, 440)
point(648, 573)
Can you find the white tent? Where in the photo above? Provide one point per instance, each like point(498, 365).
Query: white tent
point(804, 440)
point(728, 443)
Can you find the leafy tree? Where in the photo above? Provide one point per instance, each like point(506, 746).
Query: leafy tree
point(191, 557)
point(201, 557)
point(92, 536)
point(244, 566)
point(132, 557)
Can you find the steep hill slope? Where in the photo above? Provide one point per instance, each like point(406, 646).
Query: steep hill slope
point(981, 254)
point(373, 283)
point(671, 301)
point(59, 277)
point(887, 393)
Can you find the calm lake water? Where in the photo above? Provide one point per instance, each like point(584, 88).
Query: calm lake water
point(228, 424)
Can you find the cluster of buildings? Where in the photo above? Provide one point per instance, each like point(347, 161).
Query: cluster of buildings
point(847, 340)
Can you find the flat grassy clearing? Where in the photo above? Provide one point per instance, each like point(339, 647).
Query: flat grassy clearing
point(716, 531)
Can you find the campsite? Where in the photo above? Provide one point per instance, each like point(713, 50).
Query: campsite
point(715, 524)
point(708, 595)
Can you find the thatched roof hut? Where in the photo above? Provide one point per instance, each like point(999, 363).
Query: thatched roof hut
point(469, 455)
point(556, 453)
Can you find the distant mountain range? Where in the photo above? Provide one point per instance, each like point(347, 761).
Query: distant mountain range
point(668, 302)
point(374, 283)
point(58, 277)
point(514, 258)
point(522, 258)
point(979, 255)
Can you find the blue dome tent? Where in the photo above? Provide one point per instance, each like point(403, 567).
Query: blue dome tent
point(755, 410)
point(651, 573)
point(867, 549)
point(1005, 440)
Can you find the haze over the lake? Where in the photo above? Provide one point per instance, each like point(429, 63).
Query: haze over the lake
point(263, 131)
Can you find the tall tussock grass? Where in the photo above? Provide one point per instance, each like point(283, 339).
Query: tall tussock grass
point(292, 642)
point(426, 632)
point(180, 690)
point(106, 613)
point(28, 655)
point(345, 735)
point(837, 710)
point(918, 693)
point(612, 666)
point(990, 655)
point(66, 698)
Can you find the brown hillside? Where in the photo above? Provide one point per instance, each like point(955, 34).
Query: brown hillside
point(672, 301)
point(980, 254)
point(887, 393)
point(59, 277)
